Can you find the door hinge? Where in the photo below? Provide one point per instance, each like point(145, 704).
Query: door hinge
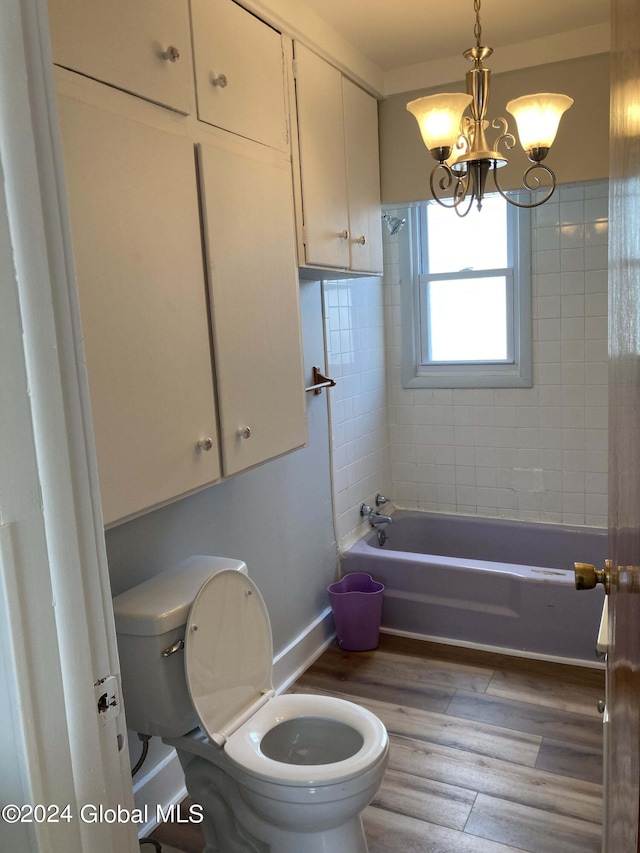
point(294, 67)
point(107, 698)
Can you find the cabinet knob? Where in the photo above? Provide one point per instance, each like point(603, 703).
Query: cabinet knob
point(172, 54)
point(244, 432)
point(362, 240)
point(220, 80)
point(205, 444)
point(344, 235)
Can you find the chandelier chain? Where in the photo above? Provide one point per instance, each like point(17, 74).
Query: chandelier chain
point(477, 30)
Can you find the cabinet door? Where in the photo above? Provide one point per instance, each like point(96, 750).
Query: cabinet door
point(239, 72)
point(126, 44)
point(249, 228)
point(137, 247)
point(363, 178)
point(322, 160)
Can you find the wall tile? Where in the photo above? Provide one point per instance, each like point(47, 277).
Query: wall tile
point(538, 453)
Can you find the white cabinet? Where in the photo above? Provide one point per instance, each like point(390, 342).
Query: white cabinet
point(363, 178)
point(239, 69)
point(339, 168)
point(137, 247)
point(323, 169)
point(250, 243)
point(142, 47)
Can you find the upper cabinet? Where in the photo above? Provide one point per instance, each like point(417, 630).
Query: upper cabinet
point(253, 280)
point(183, 231)
point(133, 200)
point(339, 168)
point(363, 177)
point(239, 70)
point(143, 47)
point(194, 360)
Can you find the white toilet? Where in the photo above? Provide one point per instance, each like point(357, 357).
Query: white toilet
point(288, 773)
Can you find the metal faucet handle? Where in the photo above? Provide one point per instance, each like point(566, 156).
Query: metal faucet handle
point(381, 500)
point(365, 509)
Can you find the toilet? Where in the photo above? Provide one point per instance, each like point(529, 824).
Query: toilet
point(288, 773)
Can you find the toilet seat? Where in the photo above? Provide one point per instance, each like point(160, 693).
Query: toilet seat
point(228, 653)
point(229, 667)
point(244, 746)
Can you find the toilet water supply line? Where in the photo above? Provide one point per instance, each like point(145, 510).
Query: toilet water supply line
point(145, 749)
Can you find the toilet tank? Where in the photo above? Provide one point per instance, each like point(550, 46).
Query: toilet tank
point(150, 619)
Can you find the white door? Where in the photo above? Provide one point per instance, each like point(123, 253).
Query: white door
point(56, 618)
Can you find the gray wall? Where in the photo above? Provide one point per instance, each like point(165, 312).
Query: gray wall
point(580, 152)
point(277, 517)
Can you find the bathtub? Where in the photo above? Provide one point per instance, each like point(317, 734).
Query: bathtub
point(506, 585)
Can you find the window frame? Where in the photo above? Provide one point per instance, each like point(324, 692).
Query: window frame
point(513, 373)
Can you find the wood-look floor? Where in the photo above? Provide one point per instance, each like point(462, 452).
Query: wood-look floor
point(489, 754)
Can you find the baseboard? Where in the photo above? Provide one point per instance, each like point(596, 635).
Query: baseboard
point(499, 650)
point(163, 784)
point(301, 652)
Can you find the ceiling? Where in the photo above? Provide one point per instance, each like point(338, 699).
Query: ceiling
point(397, 33)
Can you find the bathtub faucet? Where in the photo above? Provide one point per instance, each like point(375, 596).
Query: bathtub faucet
point(375, 518)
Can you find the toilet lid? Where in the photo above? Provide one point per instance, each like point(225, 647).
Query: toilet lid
point(228, 653)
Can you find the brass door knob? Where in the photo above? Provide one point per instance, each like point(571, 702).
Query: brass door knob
point(588, 577)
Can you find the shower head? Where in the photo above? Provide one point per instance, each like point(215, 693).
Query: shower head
point(394, 224)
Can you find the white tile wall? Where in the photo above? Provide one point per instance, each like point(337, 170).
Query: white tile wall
point(535, 453)
point(355, 338)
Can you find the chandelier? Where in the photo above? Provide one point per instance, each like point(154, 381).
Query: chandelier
point(459, 145)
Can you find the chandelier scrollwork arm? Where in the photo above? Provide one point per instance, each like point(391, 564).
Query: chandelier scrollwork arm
point(506, 137)
point(531, 182)
point(443, 177)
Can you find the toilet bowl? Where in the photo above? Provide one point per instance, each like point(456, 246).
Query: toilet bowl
point(288, 773)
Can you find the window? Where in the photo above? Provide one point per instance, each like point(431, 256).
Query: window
point(466, 312)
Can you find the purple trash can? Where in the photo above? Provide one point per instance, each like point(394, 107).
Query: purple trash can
point(356, 602)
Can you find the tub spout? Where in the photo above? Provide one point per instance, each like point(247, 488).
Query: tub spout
point(375, 518)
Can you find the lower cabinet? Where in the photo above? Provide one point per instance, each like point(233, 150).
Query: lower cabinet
point(165, 422)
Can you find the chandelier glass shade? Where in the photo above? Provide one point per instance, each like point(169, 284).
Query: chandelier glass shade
point(453, 127)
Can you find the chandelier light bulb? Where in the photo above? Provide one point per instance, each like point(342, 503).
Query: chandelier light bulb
point(537, 118)
point(439, 118)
